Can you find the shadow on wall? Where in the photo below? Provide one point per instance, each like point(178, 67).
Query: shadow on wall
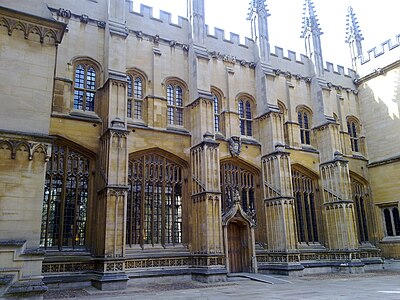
point(380, 110)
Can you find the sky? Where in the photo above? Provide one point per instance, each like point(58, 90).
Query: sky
point(378, 20)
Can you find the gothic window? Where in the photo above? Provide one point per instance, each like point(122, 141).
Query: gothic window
point(245, 117)
point(353, 129)
point(174, 104)
point(305, 206)
point(154, 207)
point(304, 119)
point(66, 194)
point(84, 87)
point(392, 221)
point(216, 103)
point(235, 178)
point(360, 198)
point(135, 97)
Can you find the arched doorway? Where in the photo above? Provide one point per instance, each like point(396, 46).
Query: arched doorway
point(238, 228)
point(239, 252)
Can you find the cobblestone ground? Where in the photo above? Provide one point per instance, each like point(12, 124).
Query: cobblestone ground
point(379, 284)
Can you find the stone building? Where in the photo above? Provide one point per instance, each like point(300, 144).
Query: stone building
point(133, 147)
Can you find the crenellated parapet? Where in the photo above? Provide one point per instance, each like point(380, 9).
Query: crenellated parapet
point(383, 48)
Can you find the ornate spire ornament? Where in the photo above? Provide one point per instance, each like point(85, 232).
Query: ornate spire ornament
point(353, 36)
point(258, 14)
point(311, 33)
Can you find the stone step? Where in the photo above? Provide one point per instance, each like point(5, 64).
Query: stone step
point(260, 277)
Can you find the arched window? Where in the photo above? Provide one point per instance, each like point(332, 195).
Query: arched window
point(305, 205)
point(135, 97)
point(304, 119)
point(154, 207)
point(66, 194)
point(360, 198)
point(353, 130)
point(174, 104)
point(245, 117)
point(84, 87)
point(235, 178)
point(216, 103)
point(392, 221)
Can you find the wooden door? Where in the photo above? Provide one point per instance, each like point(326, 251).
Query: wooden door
point(236, 251)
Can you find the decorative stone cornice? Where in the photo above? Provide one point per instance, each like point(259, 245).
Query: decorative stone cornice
point(15, 144)
point(48, 31)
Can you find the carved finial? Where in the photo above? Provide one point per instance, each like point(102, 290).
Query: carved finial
point(311, 33)
point(258, 16)
point(310, 20)
point(257, 7)
point(353, 36)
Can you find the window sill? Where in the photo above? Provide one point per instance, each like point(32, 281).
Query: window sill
point(179, 129)
point(390, 240)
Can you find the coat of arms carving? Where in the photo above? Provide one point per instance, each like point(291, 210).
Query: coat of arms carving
point(235, 145)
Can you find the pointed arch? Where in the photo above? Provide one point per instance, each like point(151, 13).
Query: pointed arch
point(246, 105)
point(238, 176)
point(217, 97)
point(136, 92)
point(360, 196)
point(306, 200)
point(156, 180)
point(67, 193)
point(354, 129)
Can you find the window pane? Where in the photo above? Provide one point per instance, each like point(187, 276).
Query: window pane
point(78, 99)
point(396, 220)
point(170, 95)
point(129, 83)
point(170, 115)
point(249, 128)
point(179, 116)
point(388, 222)
point(138, 109)
point(248, 110)
point(178, 93)
point(216, 104)
point(79, 76)
point(89, 101)
point(91, 79)
point(129, 109)
point(241, 113)
point(138, 88)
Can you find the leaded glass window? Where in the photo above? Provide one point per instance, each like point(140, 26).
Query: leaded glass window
point(305, 206)
point(174, 105)
point(154, 207)
point(304, 123)
point(360, 198)
point(135, 97)
point(352, 129)
point(245, 118)
point(392, 221)
point(66, 194)
point(216, 102)
point(235, 178)
point(84, 87)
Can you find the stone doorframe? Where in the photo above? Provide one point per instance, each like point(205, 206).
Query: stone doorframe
point(236, 213)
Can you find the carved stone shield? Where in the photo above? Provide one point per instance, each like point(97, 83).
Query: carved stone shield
point(235, 145)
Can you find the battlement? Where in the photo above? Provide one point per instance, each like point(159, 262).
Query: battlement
point(234, 38)
point(380, 50)
point(165, 17)
point(339, 70)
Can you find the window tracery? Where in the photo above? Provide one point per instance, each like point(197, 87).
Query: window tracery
point(174, 104)
point(360, 198)
point(66, 196)
point(154, 206)
point(135, 97)
point(305, 206)
point(304, 119)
